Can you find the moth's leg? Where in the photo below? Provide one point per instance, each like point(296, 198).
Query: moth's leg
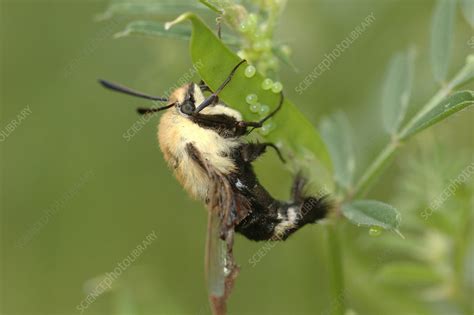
point(211, 99)
point(297, 189)
point(204, 86)
point(258, 124)
point(251, 151)
point(225, 126)
point(271, 219)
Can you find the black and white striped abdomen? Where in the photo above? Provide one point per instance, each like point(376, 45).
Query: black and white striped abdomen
point(280, 220)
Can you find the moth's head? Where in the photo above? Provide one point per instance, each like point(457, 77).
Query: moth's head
point(187, 98)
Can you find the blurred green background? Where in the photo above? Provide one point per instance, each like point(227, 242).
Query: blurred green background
point(53, 51)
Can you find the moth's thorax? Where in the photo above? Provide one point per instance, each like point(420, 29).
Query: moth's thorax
point(176, 130)
point(179, 94)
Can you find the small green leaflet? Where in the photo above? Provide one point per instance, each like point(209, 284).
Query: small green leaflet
point(146, 8)
point(444, 109)
point(442, 29)
point(337, 133)
point(150, 28)
point(397, 90)
point(372, 213)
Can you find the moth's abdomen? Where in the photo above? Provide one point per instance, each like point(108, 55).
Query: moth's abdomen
point(286, 218)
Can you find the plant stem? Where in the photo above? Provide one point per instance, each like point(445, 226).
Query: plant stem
point(210, 6)
point(335, 256)
point(462, 77)
point(374, 169)
point(386, 154)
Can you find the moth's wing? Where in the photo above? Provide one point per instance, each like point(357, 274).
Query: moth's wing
point(221, 269)
point(223, 208)
point(216, 252)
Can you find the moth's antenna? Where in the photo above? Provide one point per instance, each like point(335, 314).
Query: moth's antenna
point(208, 101)
point(122, 89)
point(145, 111)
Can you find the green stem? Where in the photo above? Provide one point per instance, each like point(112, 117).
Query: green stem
point(462, 77)
point(374, 169)
point(387, 153)
point(461, 292)
point(337, 276)
point(210, 6)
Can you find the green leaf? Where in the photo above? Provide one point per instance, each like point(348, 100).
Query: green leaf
point(146, 8)
point(397, 90)
point(337, 134)
point(291, 128)
point(442, 28)
point(148, 28)
point(409, 274)
point(468, 11)
point(445, 108)
point(372, 213)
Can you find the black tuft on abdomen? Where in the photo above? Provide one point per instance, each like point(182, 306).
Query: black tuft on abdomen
point(261, 224)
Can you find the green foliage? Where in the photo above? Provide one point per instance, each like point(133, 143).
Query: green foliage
point(337, 133)
point(149, 28)
point(255, 24)
point(253, 39)
point(146, 8)
point(153, 29)
point(443, 109)
point(442, 29)
point(437, 262)
point(372, 213)
point(397, 90)
point(289, 127)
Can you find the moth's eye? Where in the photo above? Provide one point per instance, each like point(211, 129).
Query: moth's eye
point(187, 108)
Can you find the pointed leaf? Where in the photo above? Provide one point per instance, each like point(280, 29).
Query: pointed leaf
point(290, 126)
point(372, 213)
point(444, 109)
point(442, 28)
point(149, 28)
point(397, 90)
point(146, 8)
point(337, 134)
